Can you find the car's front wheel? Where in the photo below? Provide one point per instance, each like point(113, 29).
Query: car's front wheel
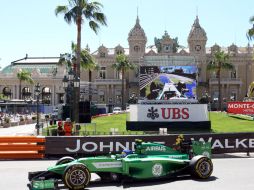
point(201, 167)
point(76, 176)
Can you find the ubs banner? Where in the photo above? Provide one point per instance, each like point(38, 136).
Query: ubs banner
point(151, 117)
point(82, 146)
point(170, 112)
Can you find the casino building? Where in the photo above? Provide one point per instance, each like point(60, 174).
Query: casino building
point(106, 82)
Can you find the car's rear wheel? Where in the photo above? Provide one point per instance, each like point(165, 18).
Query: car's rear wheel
point(76, 176)
point(201, 167)
point(64, 160)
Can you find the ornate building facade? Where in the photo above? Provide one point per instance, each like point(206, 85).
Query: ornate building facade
point(106, 82)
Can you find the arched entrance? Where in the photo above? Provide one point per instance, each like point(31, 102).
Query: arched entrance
point(26, 93)
point(7, 92)
point(46, 95)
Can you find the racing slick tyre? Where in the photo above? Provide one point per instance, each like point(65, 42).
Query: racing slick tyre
point(201, 167)
point(76, 176)
point(64, 160)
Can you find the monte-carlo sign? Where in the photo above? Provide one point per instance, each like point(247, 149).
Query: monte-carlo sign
point(166, 115)
point(246, 108)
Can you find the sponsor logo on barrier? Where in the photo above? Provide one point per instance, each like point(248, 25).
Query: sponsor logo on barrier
point(175, 113)
point(220, 143)
point(102, 146)
point(170, 113)
point(224, 143)
point(152, 113)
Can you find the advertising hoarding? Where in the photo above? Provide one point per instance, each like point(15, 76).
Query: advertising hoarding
point(98, 145)
point(246, 108)
point(169, 112)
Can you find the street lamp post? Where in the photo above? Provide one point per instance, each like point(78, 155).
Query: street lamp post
point(70, 83)
point(37, 94)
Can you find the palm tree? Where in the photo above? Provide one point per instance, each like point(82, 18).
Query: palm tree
point(122, 65)
point(220, 61)
point(76, 12)
point(87, 62)
point(25, 76)
point(250, 32)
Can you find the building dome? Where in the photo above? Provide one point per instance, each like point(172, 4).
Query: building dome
point(197, 32)
point(215, 48)
point(119, 49)
point(137, 32)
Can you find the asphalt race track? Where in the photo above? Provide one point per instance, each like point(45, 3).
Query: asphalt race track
point(229, 174)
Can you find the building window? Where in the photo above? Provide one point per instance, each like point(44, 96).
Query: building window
point(233, 96)
point(26, 93)
point(215, 96)
point(118, 75)
point(102, 73)
point(7, 92)
point(102, 54)
point(118, 99)
point(60, 98)
point(167, 48)
point(136, 48)
point(46, 95)
point(215, 75)
point(233, 74)
point(119, 52)
point(102, 98)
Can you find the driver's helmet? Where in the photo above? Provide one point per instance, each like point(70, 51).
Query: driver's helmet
point(126, 152)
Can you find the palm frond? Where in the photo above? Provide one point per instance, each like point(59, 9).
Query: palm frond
point(94, 26)
point(220, 60)
point(122, 63)
point(24, 75)
point(61, 10)
point(101, 18)
point(251, 19)
point(69, 17)
point(227, 66)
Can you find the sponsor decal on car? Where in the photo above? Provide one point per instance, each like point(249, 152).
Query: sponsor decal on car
point(207, 154)
point(176, 156)
point(156, 148)
point(157, 170)
point(107, 164)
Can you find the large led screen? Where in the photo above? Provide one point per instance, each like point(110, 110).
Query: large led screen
point(168, 82)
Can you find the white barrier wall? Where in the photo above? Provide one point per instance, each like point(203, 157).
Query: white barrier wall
point(169, 112)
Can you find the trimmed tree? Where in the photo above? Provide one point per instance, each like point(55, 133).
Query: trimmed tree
point(122, 65)
point(219, 62)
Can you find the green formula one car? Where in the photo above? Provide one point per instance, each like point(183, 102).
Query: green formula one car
point(149, 160)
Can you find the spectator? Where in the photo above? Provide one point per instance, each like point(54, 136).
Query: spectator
point(68, 127)
point(60, 130)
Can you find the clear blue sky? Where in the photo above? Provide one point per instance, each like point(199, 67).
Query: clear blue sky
point(30, 26)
